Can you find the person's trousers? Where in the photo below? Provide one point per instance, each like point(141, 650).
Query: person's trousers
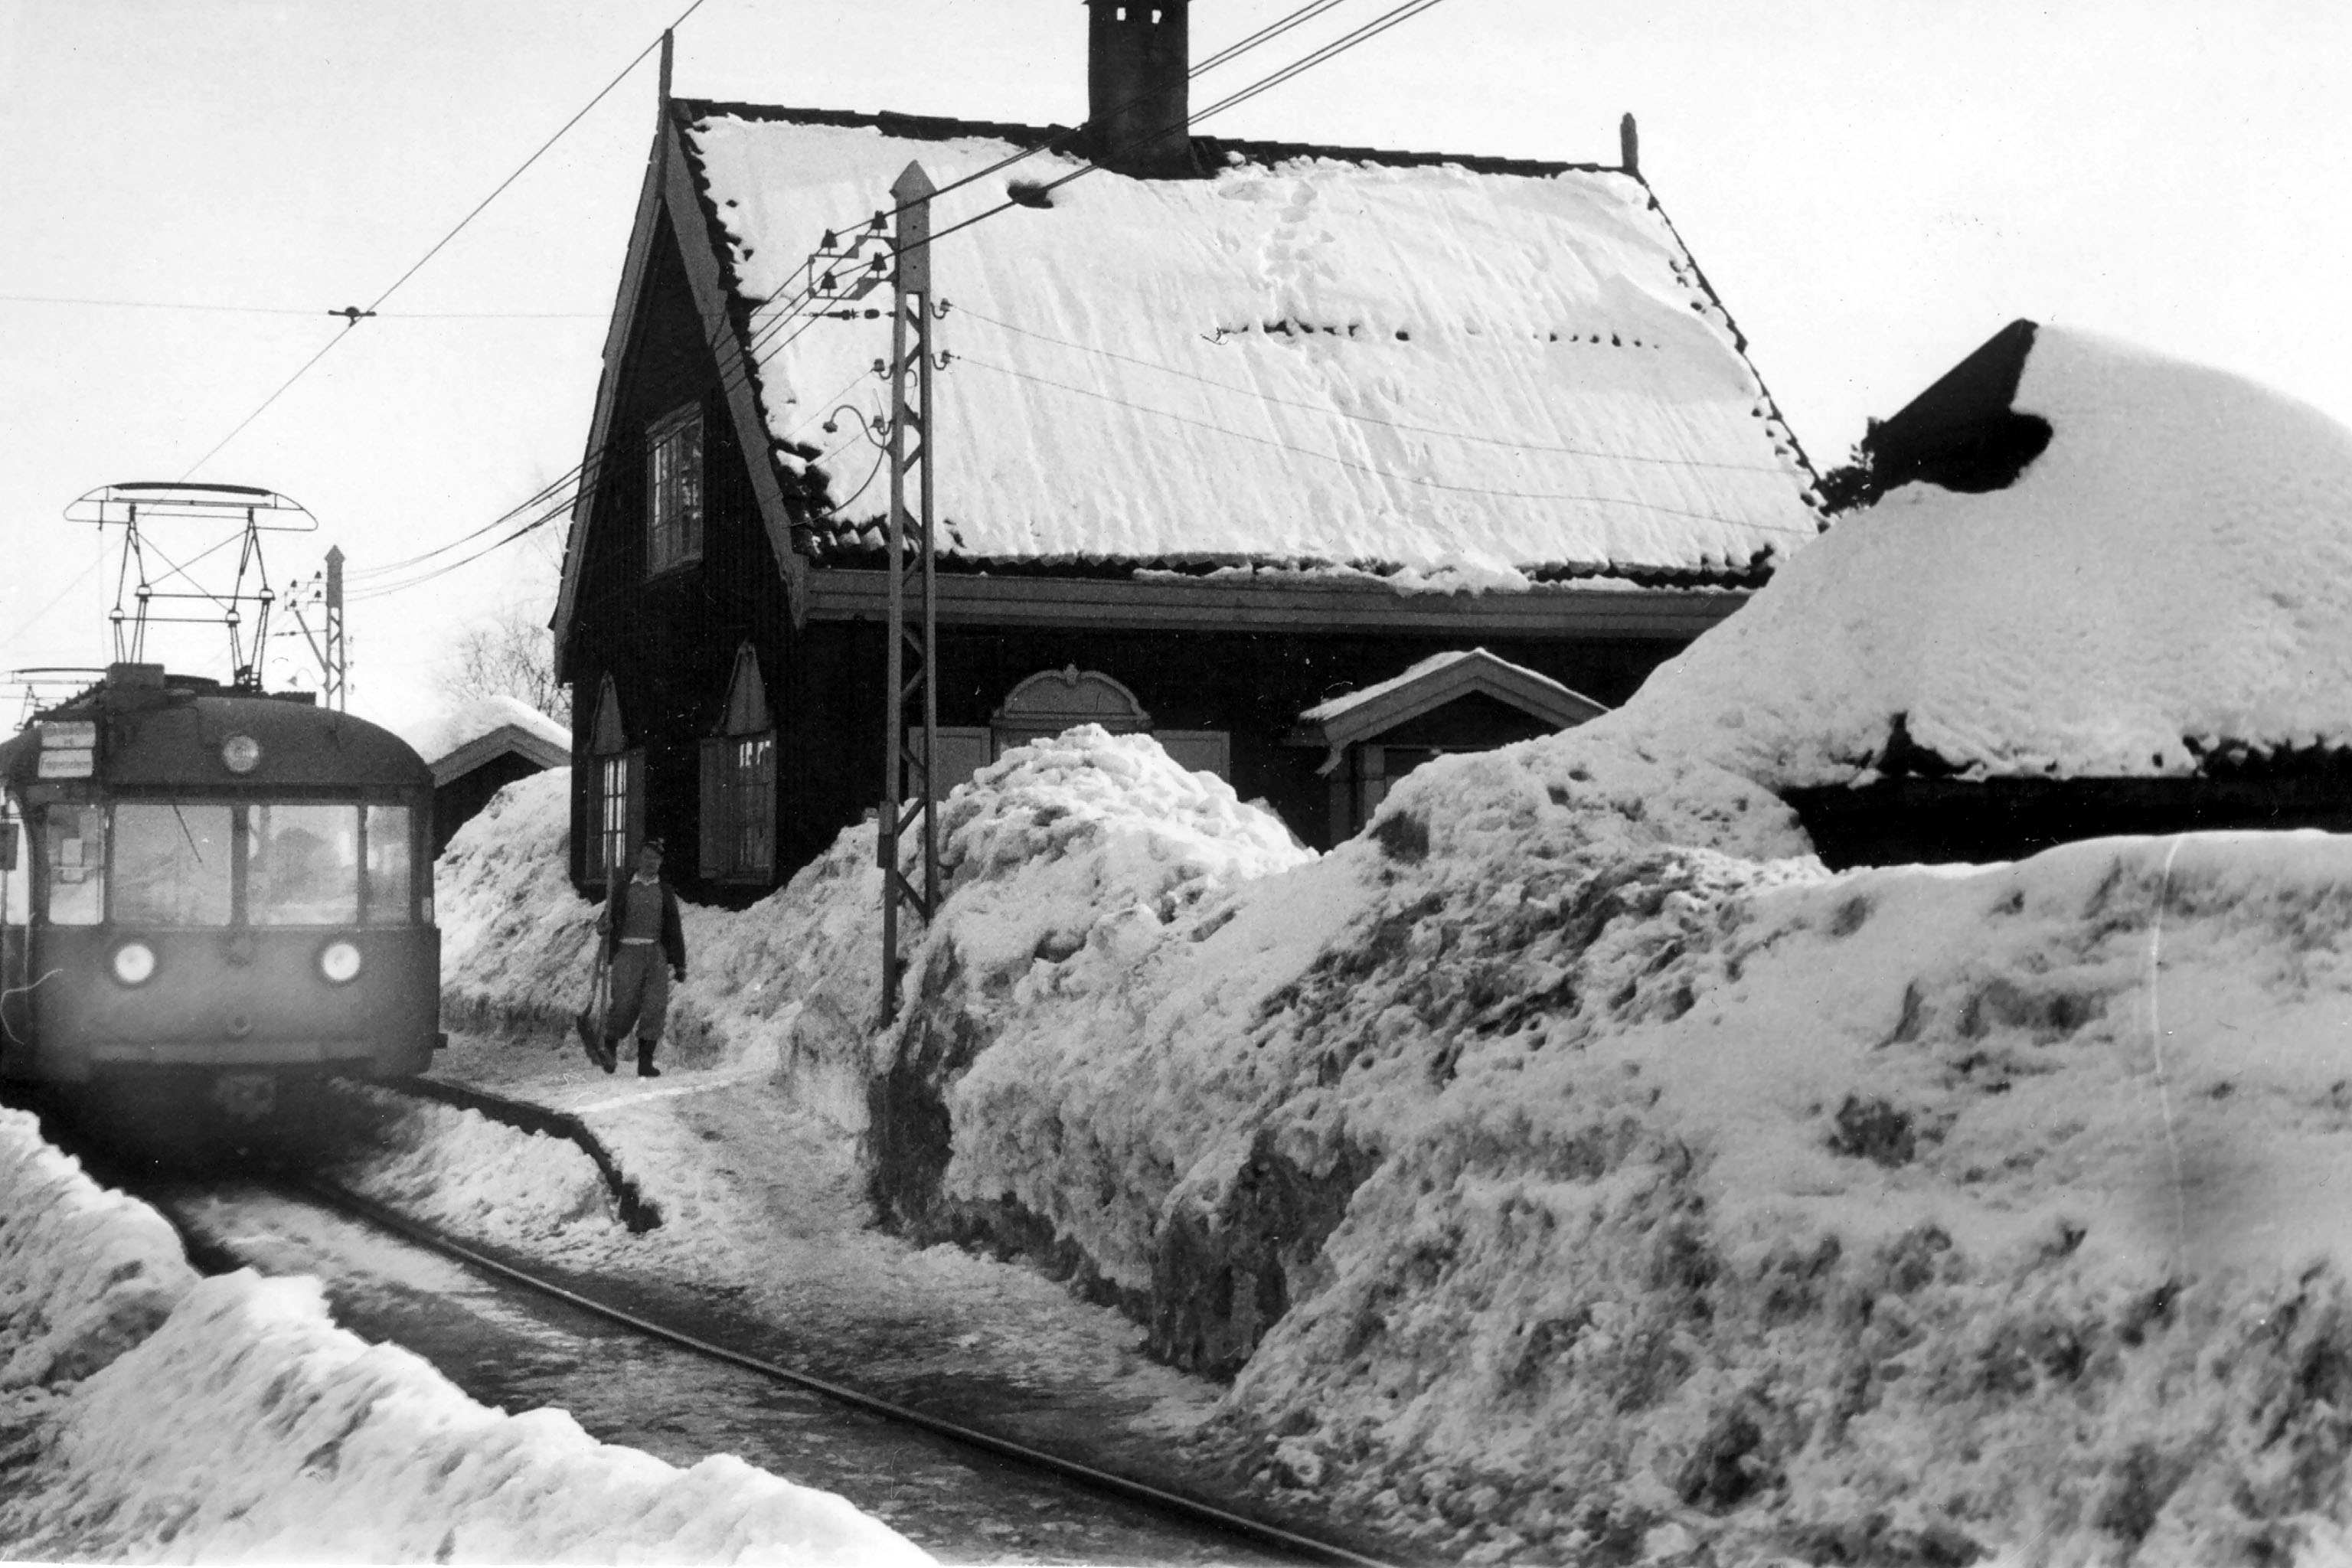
point(640, 996)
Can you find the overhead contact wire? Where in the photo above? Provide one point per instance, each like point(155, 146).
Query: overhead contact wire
point(437, 245)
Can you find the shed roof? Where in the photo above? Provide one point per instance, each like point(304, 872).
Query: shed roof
point(1468, 372)
point(459, 738)
point(1433, 682)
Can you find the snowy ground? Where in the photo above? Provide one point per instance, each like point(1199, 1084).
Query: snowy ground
point(148, 1414)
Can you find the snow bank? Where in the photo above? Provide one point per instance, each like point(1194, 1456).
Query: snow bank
point(459, 1169)
point(249, 1425)
point(1864, 1218)
point(1555, 1186)
point(85, 1273)
point(2173, 573)
point(1074, 866)
point(516, 943)
point(150, 1413)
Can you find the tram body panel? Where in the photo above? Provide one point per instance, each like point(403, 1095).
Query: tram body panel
point(228, 999)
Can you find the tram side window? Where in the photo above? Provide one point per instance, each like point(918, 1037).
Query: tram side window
point(391, 884)
point(302, 865)
point(16, 870)
point(73, 842)
point(171, 864)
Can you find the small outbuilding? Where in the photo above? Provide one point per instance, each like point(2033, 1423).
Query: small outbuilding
point(478, 747)
point(1466, 700)
point(2098, 591)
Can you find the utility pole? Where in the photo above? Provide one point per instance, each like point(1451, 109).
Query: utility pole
point(337, 696)
point(912, 699)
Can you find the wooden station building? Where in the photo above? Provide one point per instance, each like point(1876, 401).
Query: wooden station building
point(1223, 431)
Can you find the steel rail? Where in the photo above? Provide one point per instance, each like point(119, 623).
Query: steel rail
point(1123, 1487)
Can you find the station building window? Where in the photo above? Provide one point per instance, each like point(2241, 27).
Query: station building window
point(617, 785)
point(739, 782)
point(674, 489)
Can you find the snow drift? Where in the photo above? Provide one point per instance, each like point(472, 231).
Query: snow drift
point(2171, 577)
point(150, 1413)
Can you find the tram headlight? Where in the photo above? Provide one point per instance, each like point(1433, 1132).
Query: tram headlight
point(240, 754)
point(340, 963)
point(135, 962)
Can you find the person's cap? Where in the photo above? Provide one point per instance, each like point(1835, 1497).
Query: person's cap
point(656, 845)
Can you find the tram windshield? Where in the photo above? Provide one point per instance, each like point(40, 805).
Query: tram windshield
point(215, 863)
point(171, 864)
point(302, 866)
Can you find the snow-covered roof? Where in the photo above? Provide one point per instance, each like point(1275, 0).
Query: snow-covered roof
point(2171, 577)
point(464, 734)
point(1369, 360)
point(1439, 680)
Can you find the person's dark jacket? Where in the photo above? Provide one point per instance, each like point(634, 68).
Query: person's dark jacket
point(673, 933)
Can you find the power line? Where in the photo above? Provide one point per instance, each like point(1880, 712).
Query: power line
point(1377, 471)
point(291, 310)
point(535, 157)
point(1363, 34)
point(1264, 34)
point(1512, 443)
point(439, 244)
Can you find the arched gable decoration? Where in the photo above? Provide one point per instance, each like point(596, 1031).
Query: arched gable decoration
point(747, 698)
point(608, 737)
point(1050, 700)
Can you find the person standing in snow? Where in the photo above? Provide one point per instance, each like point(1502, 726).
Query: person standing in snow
point(646, 946)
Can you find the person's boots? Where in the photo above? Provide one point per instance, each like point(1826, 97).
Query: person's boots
point(645, 1068)
point(612, 1057)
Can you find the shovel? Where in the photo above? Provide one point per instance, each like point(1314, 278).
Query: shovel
point(589, 1022)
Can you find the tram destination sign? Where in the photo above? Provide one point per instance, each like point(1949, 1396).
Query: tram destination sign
point(69, 749)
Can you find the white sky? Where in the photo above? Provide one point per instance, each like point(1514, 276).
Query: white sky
point(1872, 185)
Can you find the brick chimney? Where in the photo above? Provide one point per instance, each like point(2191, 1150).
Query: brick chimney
point(1139, 58)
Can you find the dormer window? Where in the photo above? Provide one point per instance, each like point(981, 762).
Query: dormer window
point(674, 489)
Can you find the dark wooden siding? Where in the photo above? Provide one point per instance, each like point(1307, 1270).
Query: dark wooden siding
point(1253, 685)
point(669, 642)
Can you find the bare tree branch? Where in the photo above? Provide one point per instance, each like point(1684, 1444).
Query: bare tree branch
point(509, 656)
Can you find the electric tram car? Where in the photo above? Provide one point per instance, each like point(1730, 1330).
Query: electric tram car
point(212, 894)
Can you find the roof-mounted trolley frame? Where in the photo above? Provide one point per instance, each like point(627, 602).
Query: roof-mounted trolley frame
point(132, 506)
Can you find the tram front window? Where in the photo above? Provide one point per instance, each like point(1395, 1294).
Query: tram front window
point(73, 842)
point(171, 864)
point(303, 865)
point(391, 892)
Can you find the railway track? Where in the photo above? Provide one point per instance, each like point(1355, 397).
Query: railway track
point(1247, 1538)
